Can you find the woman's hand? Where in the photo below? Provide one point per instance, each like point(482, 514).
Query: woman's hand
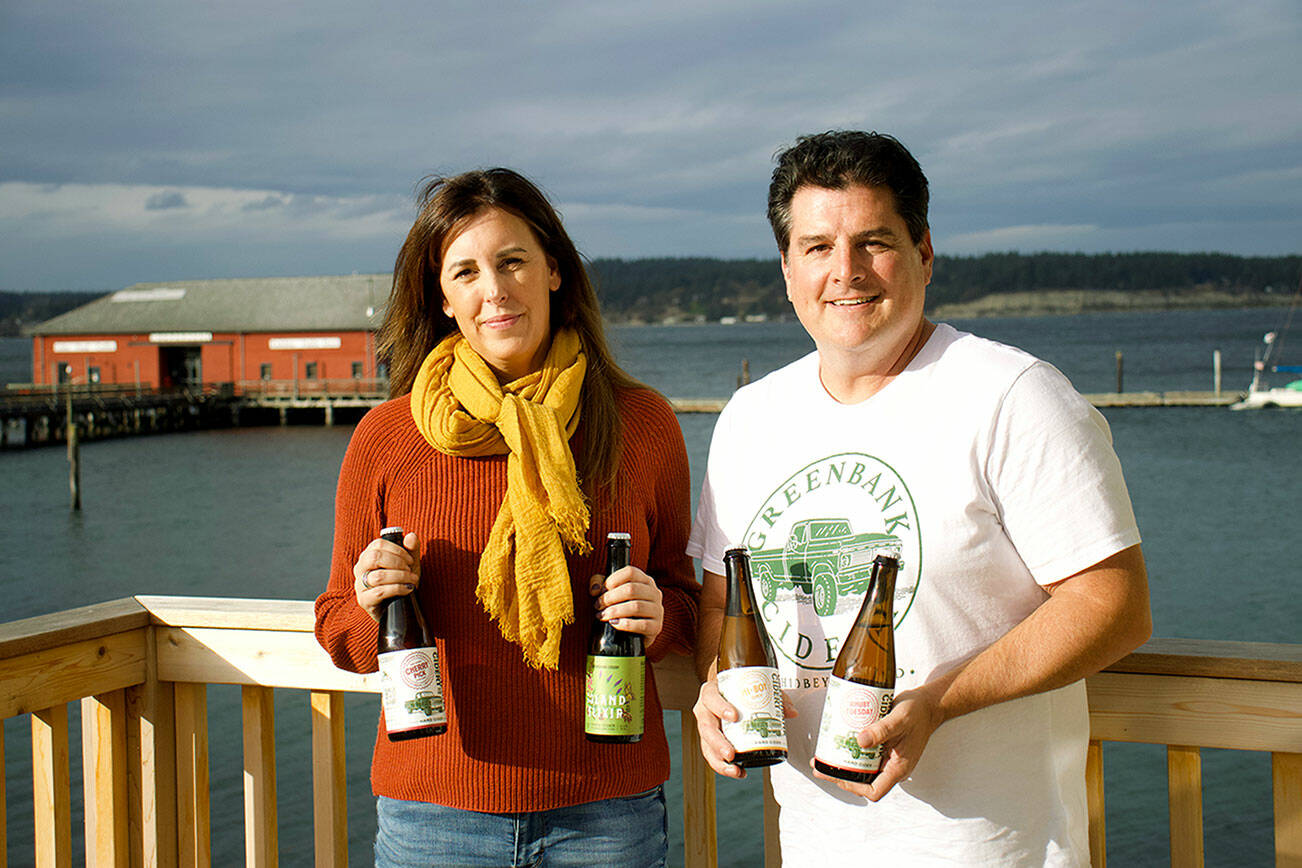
point(385, 570)
point(630, 600)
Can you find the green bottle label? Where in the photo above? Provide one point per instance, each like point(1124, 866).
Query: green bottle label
point(614, 695)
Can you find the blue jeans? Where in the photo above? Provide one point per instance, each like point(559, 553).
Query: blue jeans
point(629, 832)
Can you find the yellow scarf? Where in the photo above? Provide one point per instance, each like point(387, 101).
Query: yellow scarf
point(459, 407)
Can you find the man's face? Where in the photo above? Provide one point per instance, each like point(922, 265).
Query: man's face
point(855, 278)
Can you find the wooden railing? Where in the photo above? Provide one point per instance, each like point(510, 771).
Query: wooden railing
point(139, 668)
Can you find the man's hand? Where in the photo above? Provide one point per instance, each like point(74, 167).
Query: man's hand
point(1089, 621)
point(903, 733)
point(711, 710)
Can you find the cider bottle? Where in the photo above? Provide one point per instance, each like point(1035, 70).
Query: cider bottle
point(411, 686)
point(862, 685)
point(748, 673)
point(616, 671)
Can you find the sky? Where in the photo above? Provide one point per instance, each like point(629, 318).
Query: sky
point(156, 140)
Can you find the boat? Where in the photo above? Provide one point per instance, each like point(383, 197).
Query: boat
point(1260, 395)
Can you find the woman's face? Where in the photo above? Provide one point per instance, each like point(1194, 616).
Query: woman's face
point(497, 284)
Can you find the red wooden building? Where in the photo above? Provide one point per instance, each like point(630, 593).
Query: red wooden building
point(215, 332)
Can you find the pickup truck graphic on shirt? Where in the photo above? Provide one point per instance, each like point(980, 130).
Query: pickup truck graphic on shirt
point(822, 558)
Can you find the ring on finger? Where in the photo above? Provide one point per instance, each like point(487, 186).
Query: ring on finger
point(366, 584)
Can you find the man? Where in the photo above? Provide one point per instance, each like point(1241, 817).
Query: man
point(995, 482)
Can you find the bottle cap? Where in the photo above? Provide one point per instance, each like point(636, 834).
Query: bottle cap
point(392, 534)
point(618, 535)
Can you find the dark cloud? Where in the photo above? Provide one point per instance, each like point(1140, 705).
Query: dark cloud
point(267, 203)
point(164, 201)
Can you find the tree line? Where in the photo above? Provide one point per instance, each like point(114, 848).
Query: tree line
point(18, 309)
point(687, 289)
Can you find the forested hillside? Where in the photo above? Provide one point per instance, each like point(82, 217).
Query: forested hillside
point(688, 289)
point(18, 309)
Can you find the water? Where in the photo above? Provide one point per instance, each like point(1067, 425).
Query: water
point(248, 513)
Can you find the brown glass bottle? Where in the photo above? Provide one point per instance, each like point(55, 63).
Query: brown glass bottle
point(411, 685)
point(748, 673)
point(616, 671)
point(862, 685)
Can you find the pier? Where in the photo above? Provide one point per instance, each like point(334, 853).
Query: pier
point(33, 416)
point(137, 670)
point(37, 416)
point(1099, 399)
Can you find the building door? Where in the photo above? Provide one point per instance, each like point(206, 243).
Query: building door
point(180, 366)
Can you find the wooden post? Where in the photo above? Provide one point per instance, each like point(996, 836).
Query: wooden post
point(700, 835)
point(260, 830)
point(744, 378)
point(194, 843)
point(1119, 367)
point(51, 788)
point(4, 811)
point(151, 740)
point(74, 457)
point(329, 780)
point(104, 778)
point(1216, 372)
point(1094, 803)
point(1185, 799)
point(772, 842)
point(1286, 774)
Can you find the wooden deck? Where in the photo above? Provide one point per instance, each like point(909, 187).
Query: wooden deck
point(139, 670)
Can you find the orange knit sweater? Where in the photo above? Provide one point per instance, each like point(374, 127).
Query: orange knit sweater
point(515, 734)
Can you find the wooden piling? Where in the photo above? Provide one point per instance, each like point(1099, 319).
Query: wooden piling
point(74, 458)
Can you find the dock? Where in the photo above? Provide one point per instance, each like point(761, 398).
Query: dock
point(32, 417)
point(1098, 399)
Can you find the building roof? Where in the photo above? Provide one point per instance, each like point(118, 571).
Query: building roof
point(348, 303)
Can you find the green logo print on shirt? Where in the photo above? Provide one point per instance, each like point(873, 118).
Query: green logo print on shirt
point(812, 545)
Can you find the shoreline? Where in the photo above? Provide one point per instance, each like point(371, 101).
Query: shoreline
point(1067, 302)
point(1036, 303)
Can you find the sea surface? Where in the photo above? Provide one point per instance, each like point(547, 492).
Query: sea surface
point(247, 513)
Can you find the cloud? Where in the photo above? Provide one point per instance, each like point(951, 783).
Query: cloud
point(77, 209)
point(164, 201)
point(1022, 238)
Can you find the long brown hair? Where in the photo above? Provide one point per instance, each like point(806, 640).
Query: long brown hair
point(414, 322)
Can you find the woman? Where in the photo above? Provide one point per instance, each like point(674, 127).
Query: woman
point(512, 445)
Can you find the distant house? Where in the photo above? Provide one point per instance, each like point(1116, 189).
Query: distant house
point(214, 332)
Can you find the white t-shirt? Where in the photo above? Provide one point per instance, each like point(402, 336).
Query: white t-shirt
point(991, 477)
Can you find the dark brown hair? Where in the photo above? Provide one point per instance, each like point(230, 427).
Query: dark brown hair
point(836, 159)
point(414, 321)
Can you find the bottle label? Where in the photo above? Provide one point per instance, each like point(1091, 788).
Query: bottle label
point(754, 691)
point(411, 689)
point(848, 708)
point(613, 705)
